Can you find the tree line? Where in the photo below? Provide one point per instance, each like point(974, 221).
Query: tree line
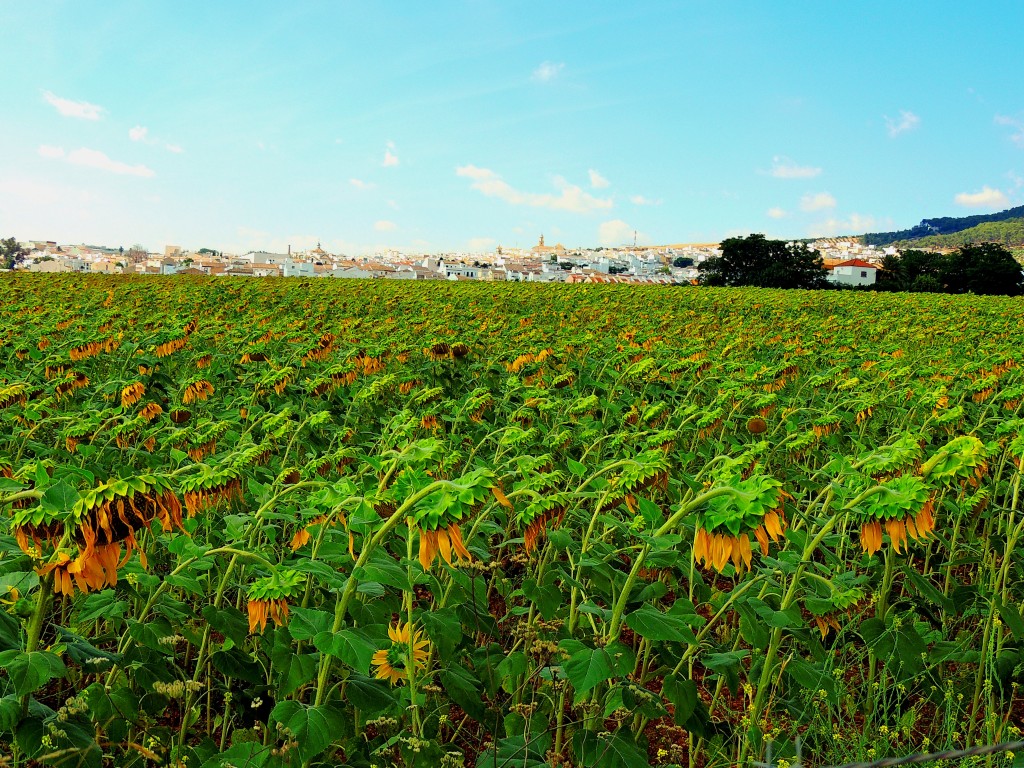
point(987, 268)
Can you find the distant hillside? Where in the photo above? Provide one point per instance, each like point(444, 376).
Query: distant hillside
point(1010, 232)
point(946, 225)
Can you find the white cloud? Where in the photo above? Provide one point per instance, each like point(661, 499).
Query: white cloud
point(248, 239)
point(1017, 135)
point(776, 213)
point(597, 181)
point(360, 184)
point(385, 226)
point(481, 243)
point(52, 153)
point(907, 121)
point(548, 71)
point(817, 202)
point(641, 200)
point(570, 198)
point(854, 224)
point(141, 134)
point(618, 232)
point(93, 158)
point(986, 198)
point(784, 168)
point(69, 108)
point(390, 158)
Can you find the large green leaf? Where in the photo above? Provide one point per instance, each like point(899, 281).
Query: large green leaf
point(444, 629)
point(30, 671)
point(652, 624)
point(615, 750)
point(312, 727)
point(464, 689)
point(353, 646)
point(368, 695)
point(305, 623)
point(587, 667)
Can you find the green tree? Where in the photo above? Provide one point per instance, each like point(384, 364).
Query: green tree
point(762, 263)
point(913, 270)
point(11, 254)
point(682, 261)
point(986, 269)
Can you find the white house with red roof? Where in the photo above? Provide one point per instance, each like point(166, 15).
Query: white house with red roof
point(854, 272)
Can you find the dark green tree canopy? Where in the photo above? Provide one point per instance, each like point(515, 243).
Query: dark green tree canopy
point(762, 263)
point(11, 253)
point(985, 269)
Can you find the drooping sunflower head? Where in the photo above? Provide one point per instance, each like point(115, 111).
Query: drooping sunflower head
point(754, 507)
point(268, 597)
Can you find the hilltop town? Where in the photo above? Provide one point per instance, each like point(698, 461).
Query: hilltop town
point(660, 264)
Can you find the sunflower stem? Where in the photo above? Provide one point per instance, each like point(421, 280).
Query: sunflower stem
point(341, 607)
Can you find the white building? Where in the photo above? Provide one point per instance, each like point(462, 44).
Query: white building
point(854, 272)
point(293, 268)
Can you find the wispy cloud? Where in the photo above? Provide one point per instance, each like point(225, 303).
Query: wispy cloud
point(777, 213)
point(80, 109)
point(360, 184)
point(390, 158)
point(141, 134)
point(907, 121)
point(618, 232)
point(817, 202)
point(51, 153)
point(986, 198)
point(548, 71)
point(570, 197)
point(854, 224)
point(597, 181)
point(93, 158)
point(481, 243)
point(784, 168)
point(385, 226)
point(641, 200)
point(1016, 126)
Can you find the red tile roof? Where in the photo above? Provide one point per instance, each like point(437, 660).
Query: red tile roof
point(856, 263)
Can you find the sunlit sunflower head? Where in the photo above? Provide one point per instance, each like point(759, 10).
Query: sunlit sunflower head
point(393, 662)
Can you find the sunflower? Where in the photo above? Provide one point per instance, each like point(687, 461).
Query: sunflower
point(392, 662)
point(261, 610)
point(826, 623)
point(444, 540)
point(917, 527)
point(268, 597)
point(131, 394)
point(757, 425)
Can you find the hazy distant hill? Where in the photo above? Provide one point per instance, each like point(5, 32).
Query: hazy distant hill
point(949, 225)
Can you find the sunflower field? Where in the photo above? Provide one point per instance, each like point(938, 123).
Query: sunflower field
point(373, 523)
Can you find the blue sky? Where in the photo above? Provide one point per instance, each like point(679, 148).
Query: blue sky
point(462, 125)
